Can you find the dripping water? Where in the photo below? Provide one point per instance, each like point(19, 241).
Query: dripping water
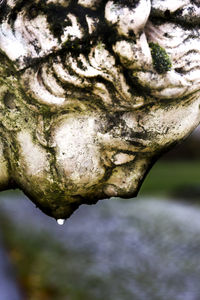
point(60, 221)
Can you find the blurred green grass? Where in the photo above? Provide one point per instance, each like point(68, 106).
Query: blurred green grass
point(167, 176)
point(45, 269)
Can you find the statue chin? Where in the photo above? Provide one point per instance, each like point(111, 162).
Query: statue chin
point(89, 103)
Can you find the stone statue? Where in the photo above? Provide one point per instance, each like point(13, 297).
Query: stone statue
point(91, 93)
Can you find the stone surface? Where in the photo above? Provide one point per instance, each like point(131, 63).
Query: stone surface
point(91, 93)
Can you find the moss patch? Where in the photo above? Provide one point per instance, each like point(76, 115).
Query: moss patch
point(161, 60)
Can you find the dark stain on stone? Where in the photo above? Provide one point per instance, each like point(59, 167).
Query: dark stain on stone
point(127, 3)
point(9, 100)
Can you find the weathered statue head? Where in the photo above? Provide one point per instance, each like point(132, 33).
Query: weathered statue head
point(91, 93)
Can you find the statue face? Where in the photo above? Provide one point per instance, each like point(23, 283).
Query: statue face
point(92, 92)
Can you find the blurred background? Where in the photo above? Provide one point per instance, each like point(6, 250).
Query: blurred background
point(143, 248)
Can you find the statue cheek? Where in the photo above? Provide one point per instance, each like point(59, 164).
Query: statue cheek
point(32, 170)
point(78, 154)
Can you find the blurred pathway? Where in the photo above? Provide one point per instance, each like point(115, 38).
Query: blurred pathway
point(138, 249)
point(9, 289)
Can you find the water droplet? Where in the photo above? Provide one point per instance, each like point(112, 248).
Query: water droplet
point(60, 221)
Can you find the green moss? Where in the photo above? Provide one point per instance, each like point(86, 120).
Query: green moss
point(161, 60)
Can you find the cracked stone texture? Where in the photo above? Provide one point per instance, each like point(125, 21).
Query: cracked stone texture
point(92, 92)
